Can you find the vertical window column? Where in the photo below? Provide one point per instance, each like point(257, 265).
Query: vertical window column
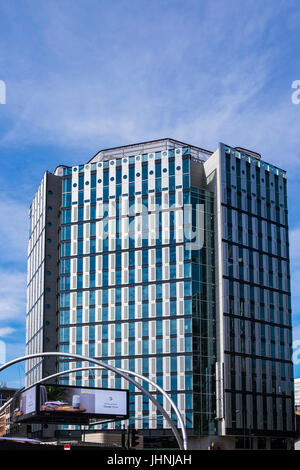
point(86, 238)
point(99, 235)
point(125, 300)
point(125, 268)
point(138, 266)
point(74, 234)
point(111, 269)
point(166, 263)
point(98, 265)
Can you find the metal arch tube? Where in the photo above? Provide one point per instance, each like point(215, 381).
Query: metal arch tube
point(44, 379)
point(169, 399)
point(105, 366)
point(57, 374)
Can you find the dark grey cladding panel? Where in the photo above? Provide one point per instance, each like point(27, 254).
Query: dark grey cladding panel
point(51, 274)
point(198, 178)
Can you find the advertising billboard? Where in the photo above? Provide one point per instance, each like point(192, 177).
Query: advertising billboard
point(70, 404)
point(25, 404)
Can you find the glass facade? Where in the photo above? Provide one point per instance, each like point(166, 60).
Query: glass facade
point(134, 290)
point(257, 314)
point(173, 263)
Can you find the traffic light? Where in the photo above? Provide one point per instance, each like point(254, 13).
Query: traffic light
point(134, 438)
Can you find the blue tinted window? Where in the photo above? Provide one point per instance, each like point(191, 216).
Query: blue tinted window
point(80, 197)
point(118, 176)
point(118, 330)
point(145, 310)
point(65, 266)
point(145, 365)
point(92, 280)
point(93, 212)
point(92, 245)
point(159, 291)
point(118, 350)
point(65, 300)
point(159, 309)
point(187, 289)
point(79, 315)
point(80, 182)
point(80, 214)
point(64, 334)
point(79, 298)
point(104, 313)
point(92, 263)
point(79, 281)
point(66, 216)
point(188, 344)
point(80, 231)
point(92, 332)
point(159, 347)
point(92, 315)
point(173, 289)
point(145, 292)
point(80, 247)
point(105, 178)
point(105, 296)
point(171, 167)
point(145, 346)
point(91, 354)
point(186, 165)
point(186, 181)
point(105, 332)
point(131, 311)
point(67, 185)
point(159, 330)
point(158, 186)
point(104, 354)
point(65, 317)
point(79, 265)
point(79, 333)
point(93, 229)
point(173, 326)
point(92, 297)
point(67, 200)
point(65, 249)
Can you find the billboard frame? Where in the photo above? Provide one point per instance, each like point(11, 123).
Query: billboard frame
point(50, 417)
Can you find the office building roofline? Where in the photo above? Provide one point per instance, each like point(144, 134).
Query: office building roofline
point(149, 143)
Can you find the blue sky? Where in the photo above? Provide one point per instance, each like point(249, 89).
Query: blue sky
point(92, 74)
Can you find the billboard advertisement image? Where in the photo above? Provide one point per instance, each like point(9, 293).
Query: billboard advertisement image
point(57, 398)
point(25, 404)
point(70, 404)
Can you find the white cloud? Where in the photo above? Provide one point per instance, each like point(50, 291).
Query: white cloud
point(187, 86)
point(12, 296)
point(13, 255)
point(13, 230)
point(6, 331)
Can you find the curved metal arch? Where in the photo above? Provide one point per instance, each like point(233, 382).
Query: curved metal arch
point(70, 371)
point(182, 445)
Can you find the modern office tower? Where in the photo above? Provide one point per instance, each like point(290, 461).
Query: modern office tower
point(173, 262)
point(42, 277)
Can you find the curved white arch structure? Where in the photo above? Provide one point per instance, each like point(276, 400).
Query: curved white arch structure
point(183, 445)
